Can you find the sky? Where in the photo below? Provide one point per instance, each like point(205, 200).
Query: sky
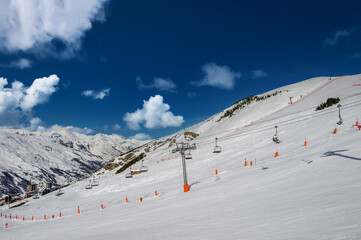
point(146, 69)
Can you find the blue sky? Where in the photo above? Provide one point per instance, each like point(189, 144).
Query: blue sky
point(186, 59)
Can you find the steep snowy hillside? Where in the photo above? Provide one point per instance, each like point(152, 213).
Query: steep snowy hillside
point(310, 189)
point(58, 156)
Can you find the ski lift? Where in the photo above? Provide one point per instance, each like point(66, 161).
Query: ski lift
point(94, 183)
point(143, 168)
point(189, 155)
point(275, 137)
point(89, 186)
point(217, 149)
point(36, 196)
point(129, 175)
point(339, 115)
point(59, 193)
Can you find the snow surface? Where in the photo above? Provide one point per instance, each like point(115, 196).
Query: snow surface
point(308, 192)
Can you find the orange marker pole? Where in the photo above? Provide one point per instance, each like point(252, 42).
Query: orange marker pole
point(101, 206)
point(276, 154)
point(78, 211)
point(216, 172)
point(6, 225)
point(155, 193)
point(245, 163)
point(250, 163)
point(44, 217)
point(23, 219)
point(60, 215)
point(335, 132)
point(305, 144)
point(16, 217)
point(141, 199)
point(186, 188)
point(126, 199)
point(32, 218)
point(52, 217)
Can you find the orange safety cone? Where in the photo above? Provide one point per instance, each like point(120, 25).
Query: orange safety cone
point(32, 218)
point(245, 163)
point(141, 199)
point(60, 215)
point(101, 206)
point(78, 211)
point(356, 123)
point(335, 132)
point(216, 172)
point(186, 188)
point(305, 144)
point(126, 200)
point(276, 154)
point(250, 163)
point(155, 193)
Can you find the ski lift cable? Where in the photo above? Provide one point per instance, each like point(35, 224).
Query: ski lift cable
point(269, 127)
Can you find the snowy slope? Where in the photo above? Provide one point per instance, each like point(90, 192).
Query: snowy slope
point(58, 156)
point(308, 192)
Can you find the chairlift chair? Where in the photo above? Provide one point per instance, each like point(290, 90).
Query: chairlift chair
point(189, 155)
point(143, 168)
point(217, 149)
point(339, 115)
point(36, 196)
point(275, 137)
point(129, 175)
point(95, 183)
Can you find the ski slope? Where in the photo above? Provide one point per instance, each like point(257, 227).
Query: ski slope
point(307, 192)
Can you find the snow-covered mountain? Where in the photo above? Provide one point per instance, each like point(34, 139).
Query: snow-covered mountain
point(310, 190)
point(58, 156)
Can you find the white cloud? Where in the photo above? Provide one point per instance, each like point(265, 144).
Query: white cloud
point(97, 95)
point(141, 137)
point(218, 76)
point(36, 25)
point(259, 74)
point(154, 114)
point(337, 36)
point(160, 84)
point(21, 63)
point(37, 125)
point(17, 101)
point(116, 127)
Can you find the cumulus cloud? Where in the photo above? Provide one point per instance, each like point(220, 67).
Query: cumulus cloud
point(17, 101)
point(259, 74)
point(97, 95)
point(36, 125)
point(160, 84)
point(141, 137)
point(21, 63)
point(38, 25)
point(116, 126)
point(337, 36)
point(154, 114)
point(218, 76)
